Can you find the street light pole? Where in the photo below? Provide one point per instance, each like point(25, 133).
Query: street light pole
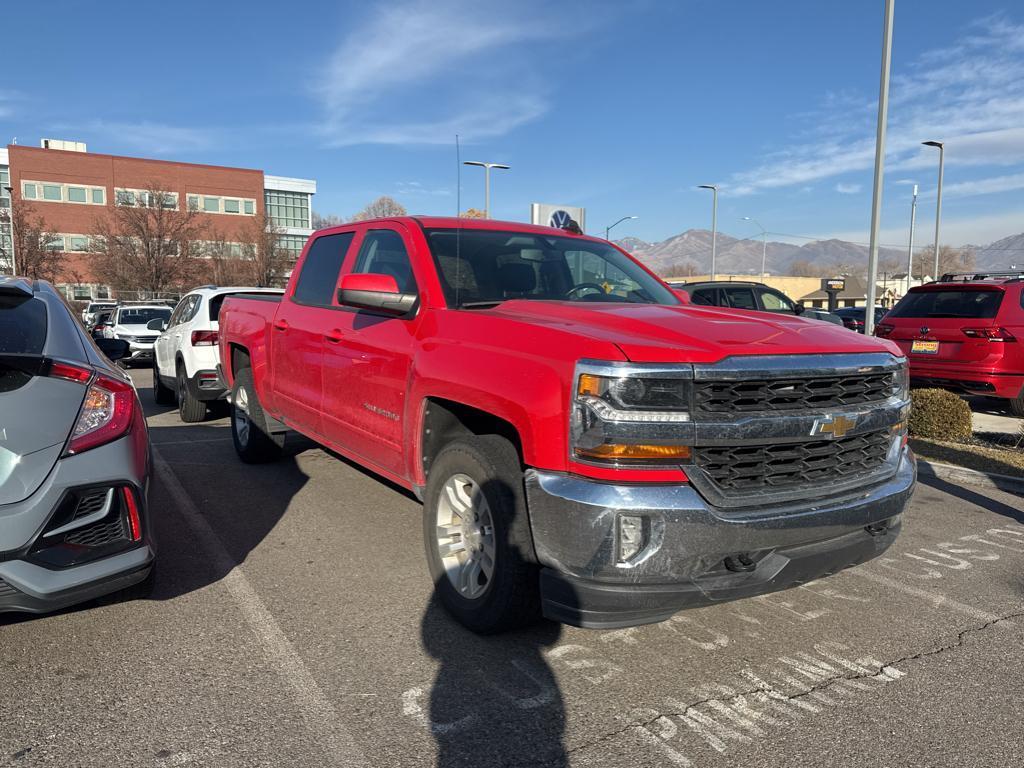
point(714, 224)
point(487, 181)
point(938, 200)
point(624, 218)
point(910, 248)
point(876, 198)
point(764, 243)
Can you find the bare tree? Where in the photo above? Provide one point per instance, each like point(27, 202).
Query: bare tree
point(382, 207)
point(950, 260)
point(222, 261)
point(266, 259)
point(473, 213)
point(148, 243)
point(325, 221)
point(39, 250)
point(681, 269)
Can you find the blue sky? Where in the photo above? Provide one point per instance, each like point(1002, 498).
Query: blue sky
point(619, 107)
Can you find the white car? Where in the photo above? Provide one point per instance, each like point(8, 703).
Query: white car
point(93, 308)
point(131, 322)
point(187, 355)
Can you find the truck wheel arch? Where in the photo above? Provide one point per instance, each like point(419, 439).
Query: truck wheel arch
point(446, 420)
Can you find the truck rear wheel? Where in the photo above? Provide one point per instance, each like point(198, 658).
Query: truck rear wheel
point(254, 442)
point(477, 536)
point(1017, 405)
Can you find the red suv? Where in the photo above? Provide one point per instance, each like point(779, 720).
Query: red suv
point(966, 333)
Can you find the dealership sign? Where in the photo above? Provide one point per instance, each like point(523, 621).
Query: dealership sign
point(558, 216)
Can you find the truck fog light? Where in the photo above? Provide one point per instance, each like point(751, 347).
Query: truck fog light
point(631, 536)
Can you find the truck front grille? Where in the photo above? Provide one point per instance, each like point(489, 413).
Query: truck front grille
point(745, 469)
point(790, 394)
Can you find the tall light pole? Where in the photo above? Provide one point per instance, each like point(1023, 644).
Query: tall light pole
point(910, 248)
point(876, 197)
point(764, 242)
point(938, 201)
point(487, 181)
point(714, 224)
point(624, 218)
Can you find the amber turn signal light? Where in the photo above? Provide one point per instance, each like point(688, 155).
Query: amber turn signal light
point(614, 452)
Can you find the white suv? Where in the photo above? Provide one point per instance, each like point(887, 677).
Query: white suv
point(134, 323)
point(93, 308)
point(187, 354)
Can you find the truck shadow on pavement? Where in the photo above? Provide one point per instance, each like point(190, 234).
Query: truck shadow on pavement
point(975, 498)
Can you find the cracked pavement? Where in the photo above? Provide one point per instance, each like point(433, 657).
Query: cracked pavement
point(292, 625)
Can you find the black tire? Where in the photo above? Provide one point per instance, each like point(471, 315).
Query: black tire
point(163, 395)
point(258, 445)
point(1017, 405)
point(190, 408)
point(511, 597)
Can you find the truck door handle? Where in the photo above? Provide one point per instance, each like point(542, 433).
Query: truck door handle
point(334, 336)
point(281, 325)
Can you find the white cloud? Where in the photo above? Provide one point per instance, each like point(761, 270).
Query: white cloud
point(956, 230)
point(987, 186)
point(8, 100)
point(969, 94)
point(471, 62)
point(153, 138)
point(847, 189)
point(415, 188)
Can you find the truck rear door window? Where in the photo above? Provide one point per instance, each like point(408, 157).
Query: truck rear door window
point(740, 298)
point(319, 277)
point(22, 325)
point(974, 304)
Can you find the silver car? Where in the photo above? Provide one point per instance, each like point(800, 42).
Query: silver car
point(74, 459)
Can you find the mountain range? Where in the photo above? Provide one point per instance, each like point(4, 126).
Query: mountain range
point(690, 253)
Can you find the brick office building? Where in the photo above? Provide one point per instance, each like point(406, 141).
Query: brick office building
point(69, 187)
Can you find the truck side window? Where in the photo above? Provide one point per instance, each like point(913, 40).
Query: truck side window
point(704, 297)
point(319, 276)
point(383, 253)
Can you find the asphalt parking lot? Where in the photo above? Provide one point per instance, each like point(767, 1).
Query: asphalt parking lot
point(292, 624)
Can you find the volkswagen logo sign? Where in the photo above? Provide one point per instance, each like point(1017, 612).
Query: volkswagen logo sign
point(560, 219)
point(925, 330)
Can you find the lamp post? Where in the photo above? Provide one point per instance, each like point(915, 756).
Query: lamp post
point(938, 200)
point(14, 263)
point(714, 224)
point(764, 243)
point(487, 181)
point(624, 218)
point(876, 195)
point(910, 248)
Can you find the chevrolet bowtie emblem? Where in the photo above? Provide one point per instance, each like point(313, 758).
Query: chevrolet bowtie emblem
point(834, 426)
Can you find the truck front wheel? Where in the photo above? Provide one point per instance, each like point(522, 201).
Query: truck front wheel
point(477, 535)
point(254, 442)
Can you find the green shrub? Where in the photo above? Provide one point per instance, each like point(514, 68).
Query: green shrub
point(939, 415)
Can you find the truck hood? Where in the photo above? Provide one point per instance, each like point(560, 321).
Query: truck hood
point(654, 333)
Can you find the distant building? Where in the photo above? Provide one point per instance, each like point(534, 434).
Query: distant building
point(854, 295)
point(68, 186)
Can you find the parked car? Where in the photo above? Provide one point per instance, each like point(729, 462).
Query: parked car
point(608, 458)
point(93, 308)
point(99, 324)
point(131, 323)
point(853, 317)
point(964, 336)
point(749, 295)
point(74, 459)
point(186, 352)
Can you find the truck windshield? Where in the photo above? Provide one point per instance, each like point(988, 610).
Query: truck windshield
point(142, 315)
point(480, 268)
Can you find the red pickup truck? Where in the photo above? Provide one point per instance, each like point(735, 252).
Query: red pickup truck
point(585, 444)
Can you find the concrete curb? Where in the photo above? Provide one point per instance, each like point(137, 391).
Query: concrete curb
point(962, 475)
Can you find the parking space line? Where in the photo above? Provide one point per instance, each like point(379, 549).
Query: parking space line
point(339, 746)
point(935, 599)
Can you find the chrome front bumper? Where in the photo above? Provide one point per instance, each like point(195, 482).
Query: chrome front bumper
point(575, 521)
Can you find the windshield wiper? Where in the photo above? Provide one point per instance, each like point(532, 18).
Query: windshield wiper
point(481, 304)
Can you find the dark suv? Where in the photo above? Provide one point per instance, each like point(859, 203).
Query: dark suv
point(853, 317)
point(964, 334)
point(749, 295)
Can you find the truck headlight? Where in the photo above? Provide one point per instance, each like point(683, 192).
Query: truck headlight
point(901, 381)
point(631, 415)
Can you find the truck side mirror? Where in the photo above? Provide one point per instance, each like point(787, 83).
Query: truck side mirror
point(682, 295)
point(374, 292)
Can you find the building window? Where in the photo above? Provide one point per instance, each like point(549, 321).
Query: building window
point(52, 192)
point(288, 209)
point(193, 202)
point(77, 195)
point(145, 198)
point(56, 244)
point(55, 192)
point(250, 207)
point(82, 293)
point(28, 191)
point(99, 196)
point(226, 205)
point(124, 197)
point(211, 204)
point(79, 243)
point(231, 206)
point(292, 243)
